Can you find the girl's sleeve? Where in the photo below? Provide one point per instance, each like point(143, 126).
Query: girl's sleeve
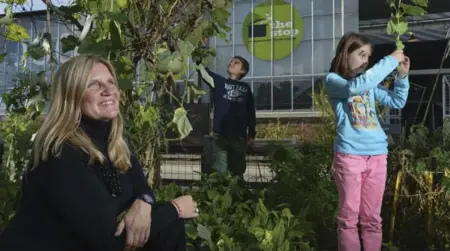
point(394, 99)
point(339, 87)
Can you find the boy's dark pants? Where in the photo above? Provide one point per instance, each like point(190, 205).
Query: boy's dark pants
point(228, 154)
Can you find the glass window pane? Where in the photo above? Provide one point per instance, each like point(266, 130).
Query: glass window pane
point(223, 55)
point(302, 58)
point(323, 54)
point(302, 93)
point(282, 94)
point(262, 93)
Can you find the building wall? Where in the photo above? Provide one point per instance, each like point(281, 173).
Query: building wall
point(285, 84)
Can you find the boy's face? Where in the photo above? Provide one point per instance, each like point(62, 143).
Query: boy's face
point(235, 67)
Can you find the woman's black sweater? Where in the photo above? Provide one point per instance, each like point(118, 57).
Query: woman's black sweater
point(68, 204)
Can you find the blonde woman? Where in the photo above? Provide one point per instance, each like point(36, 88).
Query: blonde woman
point(83, 176)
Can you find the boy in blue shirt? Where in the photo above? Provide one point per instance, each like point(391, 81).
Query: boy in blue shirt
point(234, 118)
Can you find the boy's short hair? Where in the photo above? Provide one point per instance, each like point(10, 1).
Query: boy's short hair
point(245, 65)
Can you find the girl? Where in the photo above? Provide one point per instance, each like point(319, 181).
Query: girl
point(360, 149)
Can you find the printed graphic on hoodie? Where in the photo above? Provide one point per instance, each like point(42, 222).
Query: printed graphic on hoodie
point(235, 93)
point(362, 111)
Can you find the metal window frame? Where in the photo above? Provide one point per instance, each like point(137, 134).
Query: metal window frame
point(251, 78)
point(445, 96)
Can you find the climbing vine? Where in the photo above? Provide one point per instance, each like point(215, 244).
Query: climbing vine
point(150, 43)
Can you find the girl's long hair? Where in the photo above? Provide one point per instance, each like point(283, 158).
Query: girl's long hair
point(350, 42)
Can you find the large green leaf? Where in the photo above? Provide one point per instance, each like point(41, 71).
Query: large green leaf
point(262, 212)
point(181, 120)
point(413, 10)
point(204, 232)
point(90, 46)
point(121, 3)
point(69, 43)
point(279, 235)
point(421, 3)
point(118, 17)
point(149, 114)
point(195, 91)
point(8, 17)
point(124, 68)
point(226, 201)
point(116, 35)
point(401, 28)
point(258, 232)
point(191, 231)
point(390, 27)
point(16, 32)
point(185, 47)
point(204, 74)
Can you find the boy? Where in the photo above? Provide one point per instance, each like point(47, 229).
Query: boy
point(234, 118)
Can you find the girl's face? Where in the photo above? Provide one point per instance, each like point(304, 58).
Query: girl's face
point(359, 59)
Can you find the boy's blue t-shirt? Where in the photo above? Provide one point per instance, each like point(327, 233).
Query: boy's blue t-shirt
point(354, 104)
point(234, 109)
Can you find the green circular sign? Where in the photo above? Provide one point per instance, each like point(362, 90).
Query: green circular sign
point(276, 26)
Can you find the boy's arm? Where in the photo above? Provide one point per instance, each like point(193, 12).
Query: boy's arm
point(213, 75)
point(393, 99)
point(251, 115)
point(216, 78)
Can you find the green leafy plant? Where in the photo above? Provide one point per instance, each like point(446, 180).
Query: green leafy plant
point(9, 197)
point(271, 130)
point(398, 24)
point(235, 218)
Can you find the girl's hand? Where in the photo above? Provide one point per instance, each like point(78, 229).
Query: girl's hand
point(186, 207)
point(403, 68)
point(137, 223)
point(398, 54)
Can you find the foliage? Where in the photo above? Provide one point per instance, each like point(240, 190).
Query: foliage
point(29, 94)
point(306, 168)
point(235, 218)
point(273, 130)
point(398, 24)
point(9, 197)
point(150, 44)
point(422, 161)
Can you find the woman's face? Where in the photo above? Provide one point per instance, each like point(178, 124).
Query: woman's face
point(359, 59)
point(101, 97)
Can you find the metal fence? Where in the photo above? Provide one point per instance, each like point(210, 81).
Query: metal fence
point(446, 96)
point(183, 163)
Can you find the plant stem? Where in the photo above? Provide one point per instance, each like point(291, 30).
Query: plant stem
point(433, 90)
point(49, 31)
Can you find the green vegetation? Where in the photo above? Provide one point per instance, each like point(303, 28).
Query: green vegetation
point(296, 210)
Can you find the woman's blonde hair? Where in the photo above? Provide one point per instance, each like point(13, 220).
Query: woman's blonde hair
point(62, 123)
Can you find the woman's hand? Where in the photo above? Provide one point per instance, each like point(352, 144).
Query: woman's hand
point(137, 222)
point(186, 206)
point(403, 69)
